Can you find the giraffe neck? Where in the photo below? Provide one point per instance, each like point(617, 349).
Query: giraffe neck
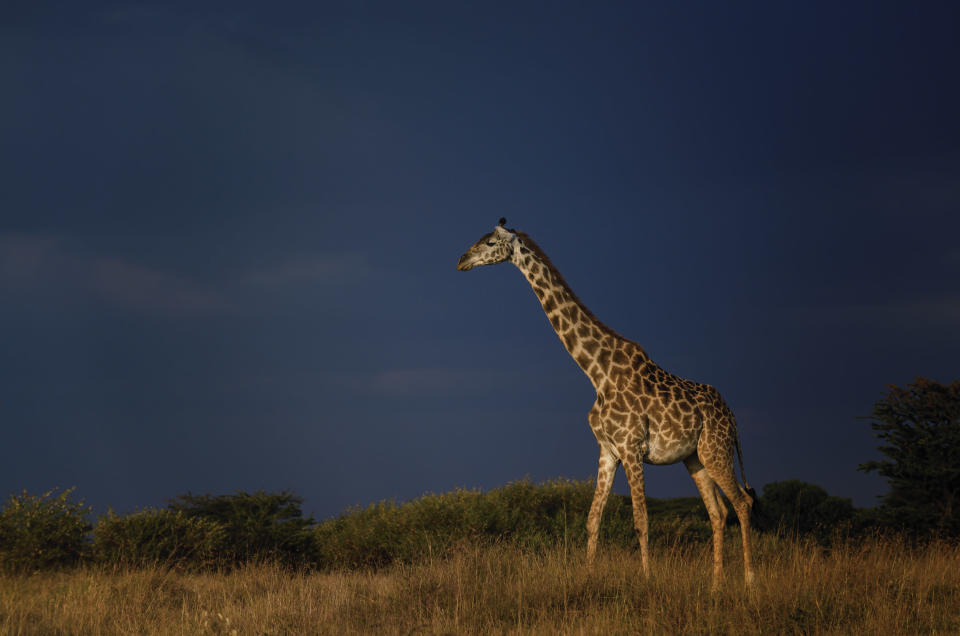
point(593, 346)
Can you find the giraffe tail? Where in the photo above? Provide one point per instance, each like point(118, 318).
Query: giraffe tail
point(755, 501)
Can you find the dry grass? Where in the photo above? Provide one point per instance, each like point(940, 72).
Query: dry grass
point(880, 587)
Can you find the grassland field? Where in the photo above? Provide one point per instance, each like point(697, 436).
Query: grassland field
point(873, 586)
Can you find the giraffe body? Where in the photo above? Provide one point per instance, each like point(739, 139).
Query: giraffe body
point(642, 414)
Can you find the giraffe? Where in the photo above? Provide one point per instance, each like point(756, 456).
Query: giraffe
point(642, 413)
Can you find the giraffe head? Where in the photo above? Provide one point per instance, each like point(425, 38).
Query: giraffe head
point(492, 248)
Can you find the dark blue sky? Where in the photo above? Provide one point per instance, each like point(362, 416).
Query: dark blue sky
point(229, 235)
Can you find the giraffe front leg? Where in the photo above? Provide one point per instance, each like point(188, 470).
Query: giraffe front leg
point(633, 465)
point(605, 474)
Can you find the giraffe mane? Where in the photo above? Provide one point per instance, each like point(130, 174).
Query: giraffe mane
point(536, 249)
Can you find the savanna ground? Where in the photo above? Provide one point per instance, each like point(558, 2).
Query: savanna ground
point(875, 586)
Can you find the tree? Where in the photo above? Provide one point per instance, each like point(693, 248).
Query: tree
point(919, 427)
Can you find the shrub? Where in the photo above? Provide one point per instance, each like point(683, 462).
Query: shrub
point(43, 531)
point(257, 526)
point(534, 516)
point(796, 507)
point(158, 537)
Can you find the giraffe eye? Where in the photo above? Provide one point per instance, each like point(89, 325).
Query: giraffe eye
point(491, 243)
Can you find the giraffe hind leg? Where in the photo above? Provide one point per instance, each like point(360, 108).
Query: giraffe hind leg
point(716, 510)
point(720, 471)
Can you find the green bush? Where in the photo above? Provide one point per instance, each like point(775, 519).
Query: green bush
point(535, 516)
point(257, 526)
point(158, 537)
point(206, 530)
point(38, 532)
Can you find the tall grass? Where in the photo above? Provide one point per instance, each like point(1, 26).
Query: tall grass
point(876, 586)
